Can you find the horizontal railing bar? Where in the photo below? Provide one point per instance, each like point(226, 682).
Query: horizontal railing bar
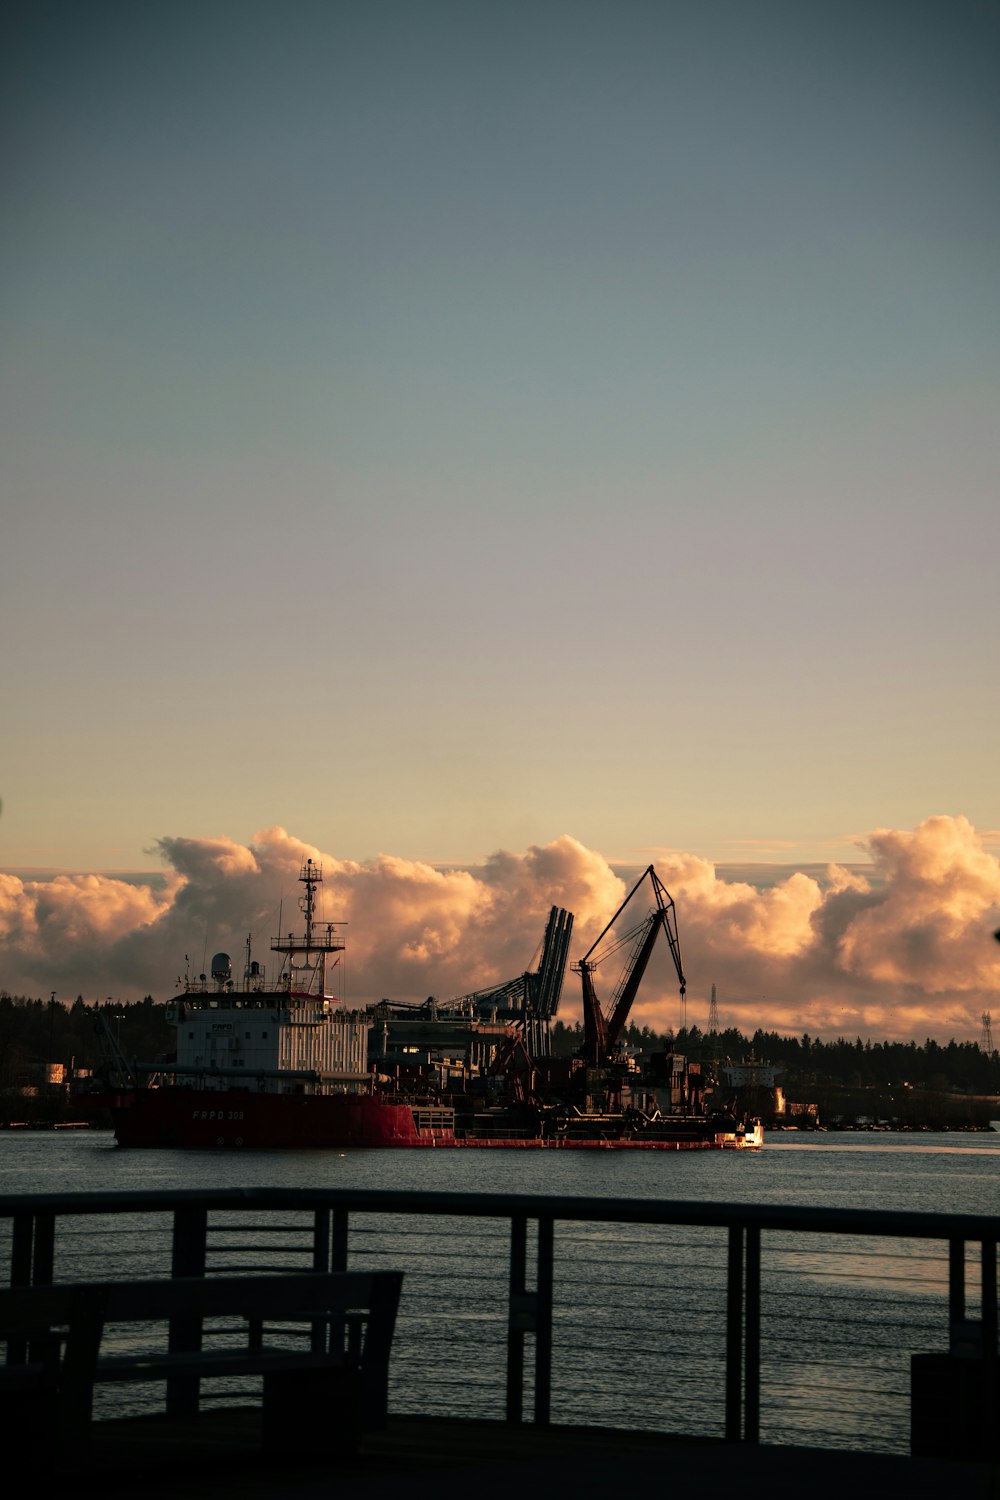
point(216, 1228)
point(777, 1327)
point(830, 1255)
point(235, 1267)
point(448, 1252)
point(888, 1223)
point(228, 1248)
point(833, 1345)
point(776, 1384)
point(884, 1278)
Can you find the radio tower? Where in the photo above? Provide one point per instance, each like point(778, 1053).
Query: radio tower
point(713, 1030)
point(986, 1035)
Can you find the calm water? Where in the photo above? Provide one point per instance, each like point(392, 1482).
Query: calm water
point(930, 1173)
point(640, 1312)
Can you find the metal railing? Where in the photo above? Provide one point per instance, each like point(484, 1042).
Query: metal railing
point(663, 1315)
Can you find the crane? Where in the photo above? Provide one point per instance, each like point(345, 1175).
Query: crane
point(532, 998)
point(600, 1032)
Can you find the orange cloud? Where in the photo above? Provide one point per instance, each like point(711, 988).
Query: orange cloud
point(941, 892)
point(52, 929)
point(907, 953)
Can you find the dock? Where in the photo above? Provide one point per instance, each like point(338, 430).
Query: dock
point(215, 1455)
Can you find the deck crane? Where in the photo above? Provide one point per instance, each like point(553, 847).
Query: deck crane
point(600, 1032)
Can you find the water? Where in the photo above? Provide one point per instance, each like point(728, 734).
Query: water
point(925, 1173)
point(640, 1310)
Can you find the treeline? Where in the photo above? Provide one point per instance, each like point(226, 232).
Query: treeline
point(808, 1062)
point(36, 1031)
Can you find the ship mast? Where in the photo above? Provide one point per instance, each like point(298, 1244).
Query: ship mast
point(304, 974)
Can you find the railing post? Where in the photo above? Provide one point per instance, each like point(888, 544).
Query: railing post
point(338, 1243)
point(751, 1388)
point(335, 1259)
point(321, 1239)
point(320, 1334)
point(20, 1249)
point(543, 1321)
point(989, 1300)
point(956, 1281)
point(991, 1371)
point(22, 1236)
point(188, 1259)
point(520, 1317)
point(734, 1335)
point(43, 1252)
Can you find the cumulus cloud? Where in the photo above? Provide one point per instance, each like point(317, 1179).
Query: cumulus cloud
point(940, 887)
point(907, 952)
point(904, 953)
point(74, 925)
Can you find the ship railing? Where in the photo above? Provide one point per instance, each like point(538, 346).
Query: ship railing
point(433, 1118)
point(746, 1322)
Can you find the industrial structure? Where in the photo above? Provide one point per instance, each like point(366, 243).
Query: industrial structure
point(602, 1032)
point(286, 1065)
point(461, 1039)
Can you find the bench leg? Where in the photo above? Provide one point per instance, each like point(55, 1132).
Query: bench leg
point(75, 1396)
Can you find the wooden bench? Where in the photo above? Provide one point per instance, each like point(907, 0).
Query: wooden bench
point(336, 1376)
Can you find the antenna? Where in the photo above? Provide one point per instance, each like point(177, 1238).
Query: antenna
point(713, 1031)
point(986, 1035)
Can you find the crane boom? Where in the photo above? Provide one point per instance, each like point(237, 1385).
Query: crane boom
point(601, 1033)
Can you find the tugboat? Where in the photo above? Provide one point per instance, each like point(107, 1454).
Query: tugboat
point(288, 1066)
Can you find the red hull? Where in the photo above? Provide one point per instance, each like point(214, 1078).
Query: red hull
point(191, 1118)
point(200, 1117)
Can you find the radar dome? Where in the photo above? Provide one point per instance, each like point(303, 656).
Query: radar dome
point(222, 966)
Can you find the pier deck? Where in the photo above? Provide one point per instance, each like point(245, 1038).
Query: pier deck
point(215, 1455)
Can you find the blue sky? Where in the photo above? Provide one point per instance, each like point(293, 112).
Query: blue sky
point(443, 427)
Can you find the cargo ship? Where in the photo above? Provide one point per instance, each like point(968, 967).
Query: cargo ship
point(287, 1065)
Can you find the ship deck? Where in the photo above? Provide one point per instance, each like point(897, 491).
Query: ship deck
point(216, 1455)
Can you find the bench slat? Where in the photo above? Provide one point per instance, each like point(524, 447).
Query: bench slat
point(24, 1309)
point(209, 1366)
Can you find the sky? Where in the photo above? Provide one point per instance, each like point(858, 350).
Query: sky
point(446, 430)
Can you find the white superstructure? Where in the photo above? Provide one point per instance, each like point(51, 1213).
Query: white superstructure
point(292, 1038)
